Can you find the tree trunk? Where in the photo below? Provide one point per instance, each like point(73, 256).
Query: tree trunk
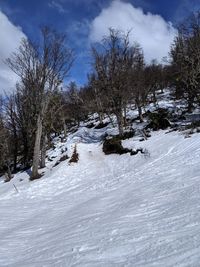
point(154, 98)
point(8, 174)
point(100, 117)
point(26, 152)
point(124, 117)
point(43, 150)
point(119, 116)
point(99, 105)
point(110, 118)
point(190, 102)
point(36, 153)
point(64, 128)
point(140, 113)
point(15, 152)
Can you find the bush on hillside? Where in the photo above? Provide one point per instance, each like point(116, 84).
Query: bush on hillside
point(114, 146)
point(75, 156)
point(159, 120)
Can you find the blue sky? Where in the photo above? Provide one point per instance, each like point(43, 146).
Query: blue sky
point(82, 21)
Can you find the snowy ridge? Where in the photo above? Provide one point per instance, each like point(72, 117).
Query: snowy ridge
point(108, 210)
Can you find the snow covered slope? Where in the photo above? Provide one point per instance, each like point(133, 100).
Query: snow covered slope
point(108, 210)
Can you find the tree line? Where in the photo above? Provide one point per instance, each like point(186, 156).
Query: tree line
point(42, 105)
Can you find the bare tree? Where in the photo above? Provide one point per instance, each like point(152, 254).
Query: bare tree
point(41, 69)
point(112, 63)
point(74, 102)
point(5, 146)
point(98, 99)
point(137, 84)
point(12, 127)
point(185, 55)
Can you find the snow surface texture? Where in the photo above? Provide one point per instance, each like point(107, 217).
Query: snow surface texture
point(107, 210)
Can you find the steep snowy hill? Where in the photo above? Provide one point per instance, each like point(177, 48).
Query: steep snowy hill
point(107, 210)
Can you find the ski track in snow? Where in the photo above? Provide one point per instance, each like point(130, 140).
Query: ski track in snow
point(108, 210)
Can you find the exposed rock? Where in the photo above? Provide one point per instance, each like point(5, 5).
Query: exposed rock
point(101, 125)
point(158, 120)
point(114, 146)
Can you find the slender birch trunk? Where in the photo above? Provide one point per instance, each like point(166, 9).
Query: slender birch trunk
point(43, 150)
point(119, 116)
point(36, 154)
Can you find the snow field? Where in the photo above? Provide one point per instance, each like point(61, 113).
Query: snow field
point(107, 210)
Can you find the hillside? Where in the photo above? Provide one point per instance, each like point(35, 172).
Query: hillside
point(99, 133)
point(115, 210)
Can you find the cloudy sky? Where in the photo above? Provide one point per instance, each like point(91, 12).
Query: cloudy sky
point(152, 23)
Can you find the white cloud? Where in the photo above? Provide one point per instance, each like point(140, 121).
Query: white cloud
point(11, 36)
point(152, 32)
point(57, 6)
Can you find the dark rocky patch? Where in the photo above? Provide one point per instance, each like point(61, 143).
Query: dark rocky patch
point(101, 125)
point(114, 146)
point(158, 119)
point(63, 158)
point(90, 125)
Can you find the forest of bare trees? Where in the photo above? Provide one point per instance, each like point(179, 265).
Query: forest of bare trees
point(43, 106)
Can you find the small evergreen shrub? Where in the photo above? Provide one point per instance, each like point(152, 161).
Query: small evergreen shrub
point(75, 156)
